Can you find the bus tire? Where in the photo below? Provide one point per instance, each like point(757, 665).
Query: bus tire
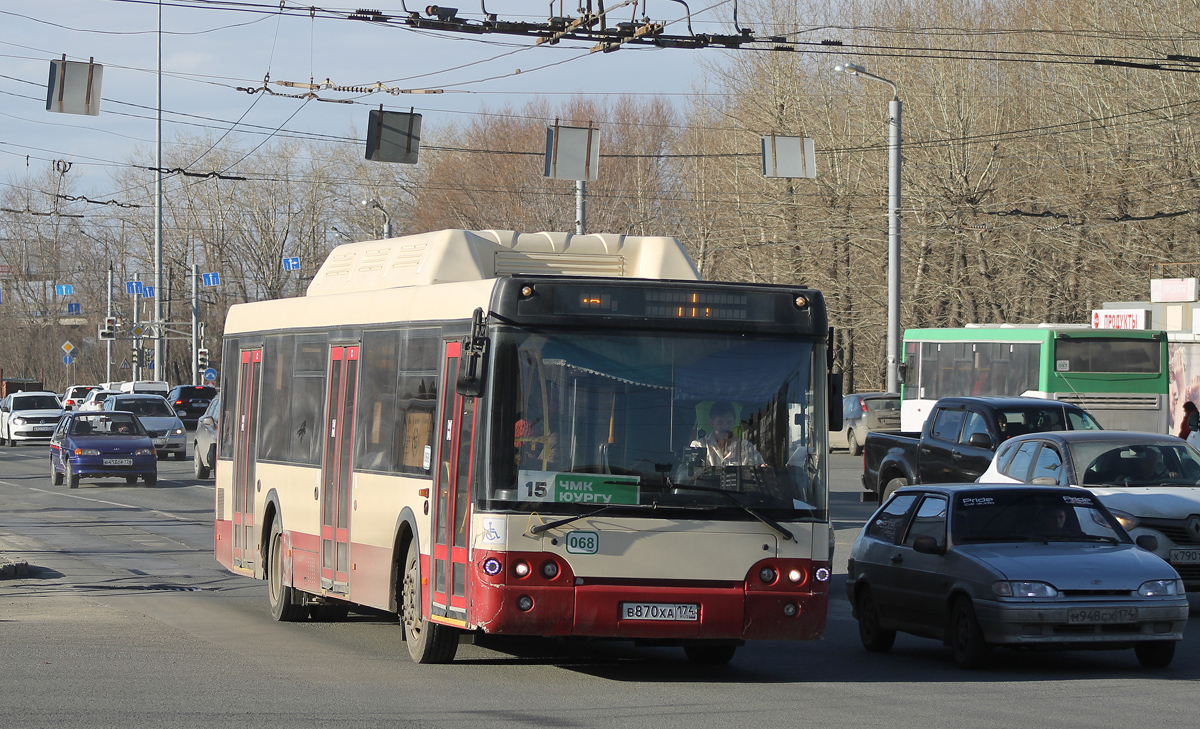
point(892, 487)
point(285, 608)
point(709, 655)
point(427, 642)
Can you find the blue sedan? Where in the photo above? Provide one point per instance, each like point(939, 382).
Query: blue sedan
point(103, 444)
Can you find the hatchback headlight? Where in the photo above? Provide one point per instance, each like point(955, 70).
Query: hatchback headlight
point(1161, 588)
point(86, 452)
point(1127, 520)
point(18, 421)
point(178, 431)
point(144, 452)
point(1024, 589)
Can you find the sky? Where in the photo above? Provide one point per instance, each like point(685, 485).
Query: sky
point(209, 50)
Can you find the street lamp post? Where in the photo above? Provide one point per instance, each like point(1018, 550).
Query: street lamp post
point(893, 328)
point(387, 219)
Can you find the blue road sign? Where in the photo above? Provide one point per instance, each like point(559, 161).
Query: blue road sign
point(291, 264)
point(133, 287)
point(74, 308)
point(68, 359)
point(147, 292)
point(64, 289)
point(210, 375)
point(211, 279)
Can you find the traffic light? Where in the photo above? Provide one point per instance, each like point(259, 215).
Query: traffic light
point(136, 360)
point(202, 358)
point(109, 329)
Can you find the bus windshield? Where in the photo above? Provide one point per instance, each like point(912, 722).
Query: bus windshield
point(709, 422)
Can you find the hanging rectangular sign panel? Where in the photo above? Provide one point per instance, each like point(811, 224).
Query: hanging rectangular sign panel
point(572, 153)
point(74, 87)
point(788, 157)
point(393, 136)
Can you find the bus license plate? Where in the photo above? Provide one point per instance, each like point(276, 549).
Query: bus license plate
point(1184, 556)
point(687, 612)
point(118, 461)
point(1105, 615)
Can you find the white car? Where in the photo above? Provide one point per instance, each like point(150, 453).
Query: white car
point(75, 395)
point(29, 416)
point(95, 399)
point(1150, 482)
point(158, 418)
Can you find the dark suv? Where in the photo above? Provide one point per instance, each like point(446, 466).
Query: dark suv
point(190, 401)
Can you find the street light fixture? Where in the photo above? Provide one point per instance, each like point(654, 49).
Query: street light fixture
point(387, 219)
point(893, 328)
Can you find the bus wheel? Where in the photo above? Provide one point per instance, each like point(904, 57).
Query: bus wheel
point(427, 642)
point(709, 655)
point(284, 605)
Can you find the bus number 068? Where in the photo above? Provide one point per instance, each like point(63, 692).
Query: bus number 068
point(583, 542)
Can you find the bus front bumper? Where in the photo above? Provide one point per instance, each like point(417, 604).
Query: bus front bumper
point(567, 605)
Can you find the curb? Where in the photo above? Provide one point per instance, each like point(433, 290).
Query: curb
point(11, 566)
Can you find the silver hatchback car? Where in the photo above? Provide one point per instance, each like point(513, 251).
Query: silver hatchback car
point(978, 566)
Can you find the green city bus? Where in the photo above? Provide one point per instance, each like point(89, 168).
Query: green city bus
point(1119, 376)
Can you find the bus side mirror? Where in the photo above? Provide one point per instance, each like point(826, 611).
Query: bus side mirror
point(902, 370)
point(835, 401)
point(471, 363)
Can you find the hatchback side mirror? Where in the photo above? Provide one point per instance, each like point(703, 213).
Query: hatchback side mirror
point(926, 544)
point(1148, 542)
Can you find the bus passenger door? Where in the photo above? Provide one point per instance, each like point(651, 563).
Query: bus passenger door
point(245, 453)
point(336, 469)
point(452, 505)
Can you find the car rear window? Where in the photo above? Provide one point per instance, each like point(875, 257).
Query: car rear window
point(197, 391)
point(877, 404)
point(148, 408)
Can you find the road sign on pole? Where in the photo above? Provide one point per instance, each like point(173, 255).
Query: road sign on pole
point(67, 347)
point(291, 264)
point(68, 359)
point(210, 375)
point(138, 330)
point(63, 289)
point(133, 287)
point(211, 279)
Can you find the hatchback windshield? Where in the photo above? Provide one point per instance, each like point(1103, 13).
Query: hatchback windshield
point(689, 421)
point(1025, 515)
point(148, 408)
point(1116, 464)
point(36, 402)
point(107, 424)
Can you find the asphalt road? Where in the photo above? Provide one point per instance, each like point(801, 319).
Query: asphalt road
point(128, 621)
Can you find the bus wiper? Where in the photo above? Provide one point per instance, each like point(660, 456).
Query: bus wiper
point(539, 528)
point(761, 517)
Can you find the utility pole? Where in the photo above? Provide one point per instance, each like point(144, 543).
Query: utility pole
point(195, 324)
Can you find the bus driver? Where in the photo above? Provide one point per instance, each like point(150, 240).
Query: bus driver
point(721, 446)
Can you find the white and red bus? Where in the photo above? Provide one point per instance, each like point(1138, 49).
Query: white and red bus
point(486, 431)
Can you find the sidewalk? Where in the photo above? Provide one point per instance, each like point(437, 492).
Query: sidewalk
point(12, 564)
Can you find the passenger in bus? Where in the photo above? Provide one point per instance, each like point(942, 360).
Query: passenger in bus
point(534, 451)
point(1191, 420)
point(721, 446)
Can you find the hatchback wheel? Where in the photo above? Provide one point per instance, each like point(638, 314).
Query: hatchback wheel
point(198, 467)
point(73, 480)
point(874, 638)
point(1155, 654)
point(852, 444)
point(55, 476)
point(966, 637)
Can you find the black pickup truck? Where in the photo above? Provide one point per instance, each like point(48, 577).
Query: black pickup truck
point(959, 438)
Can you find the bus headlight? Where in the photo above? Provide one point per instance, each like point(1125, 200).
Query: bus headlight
point(491, 566)
point(521, 568)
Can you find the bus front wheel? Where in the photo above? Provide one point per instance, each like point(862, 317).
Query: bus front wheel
point(427, 642)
